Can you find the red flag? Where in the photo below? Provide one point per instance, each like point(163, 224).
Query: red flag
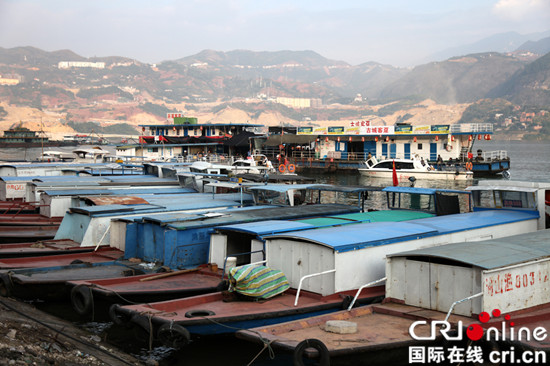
point(394, 176)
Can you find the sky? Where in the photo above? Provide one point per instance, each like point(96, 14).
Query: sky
point(396, 32)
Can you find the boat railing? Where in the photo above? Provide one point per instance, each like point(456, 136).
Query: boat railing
point(361, 289)
point(19, 206)
point(306, 155)
point(461, 301)
point(472, 128)
point(210, 158)
point(306, 277)
point(493, 155)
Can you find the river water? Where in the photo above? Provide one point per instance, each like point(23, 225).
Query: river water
point(530, 161)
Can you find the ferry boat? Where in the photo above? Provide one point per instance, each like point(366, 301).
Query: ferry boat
point(23, 137)
point(347, 147)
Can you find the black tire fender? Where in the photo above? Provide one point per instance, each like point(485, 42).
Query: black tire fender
point(82, 299)
point(173, 335)
point(346, 302)
point(324, 357)
point(6, 286)
point(118, 317)
point(199, 313)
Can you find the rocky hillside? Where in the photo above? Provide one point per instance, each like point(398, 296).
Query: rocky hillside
point(241, 86)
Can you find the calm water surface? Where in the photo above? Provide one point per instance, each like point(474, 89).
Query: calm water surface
point(530, 161)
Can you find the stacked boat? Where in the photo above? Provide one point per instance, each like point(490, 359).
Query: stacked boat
point(180, 264)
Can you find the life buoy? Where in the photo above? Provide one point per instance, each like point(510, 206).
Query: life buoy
point(82, 300)
point(324, 358)
point(291, 168)
point(469, 165)
point(282, 168)
point(173, 335)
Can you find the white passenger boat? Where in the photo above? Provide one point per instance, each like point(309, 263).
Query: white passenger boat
point(408, 168)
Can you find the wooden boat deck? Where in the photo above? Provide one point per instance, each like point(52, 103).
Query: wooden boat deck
point(154, 283)
point(380, 326)
point(41, 248)
point(101, 255)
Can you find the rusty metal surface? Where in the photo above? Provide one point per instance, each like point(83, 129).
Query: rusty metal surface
point(116, 200)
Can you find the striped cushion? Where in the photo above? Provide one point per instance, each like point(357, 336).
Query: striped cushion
point(257, 281)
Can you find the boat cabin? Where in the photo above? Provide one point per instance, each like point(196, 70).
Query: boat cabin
point(513, 195)
point(509, 273)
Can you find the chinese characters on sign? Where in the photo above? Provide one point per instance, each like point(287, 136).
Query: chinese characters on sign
point(422, 354)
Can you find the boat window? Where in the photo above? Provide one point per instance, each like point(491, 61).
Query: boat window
point(504, 199)
point(384, 165)
point(411, 201)
point(404, 165)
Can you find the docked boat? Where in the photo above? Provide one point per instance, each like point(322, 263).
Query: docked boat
point(85, 228)
point(416, 168)
point(49, 282)
point(203, 279)
point(102, 254)
point(495, 304)
point(98, 295)
point(323, 264)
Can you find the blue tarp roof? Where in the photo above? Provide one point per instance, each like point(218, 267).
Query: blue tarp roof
point(352, 237)
point(268, 227)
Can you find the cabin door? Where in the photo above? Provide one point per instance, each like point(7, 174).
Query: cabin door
point(433, 151)
point(369, 147)
point(407, 151)
point(393, 151)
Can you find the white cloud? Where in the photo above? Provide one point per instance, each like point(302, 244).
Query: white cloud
point(522, 10)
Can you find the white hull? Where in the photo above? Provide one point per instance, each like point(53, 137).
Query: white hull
point(403, 175)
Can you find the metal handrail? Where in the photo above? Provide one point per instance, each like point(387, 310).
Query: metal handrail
point(103, 237)
point(461, 301)
point(308, 276)
point(361, 289)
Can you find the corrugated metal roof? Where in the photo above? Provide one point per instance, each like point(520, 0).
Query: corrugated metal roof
point(358, 236)
point(490, 254)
